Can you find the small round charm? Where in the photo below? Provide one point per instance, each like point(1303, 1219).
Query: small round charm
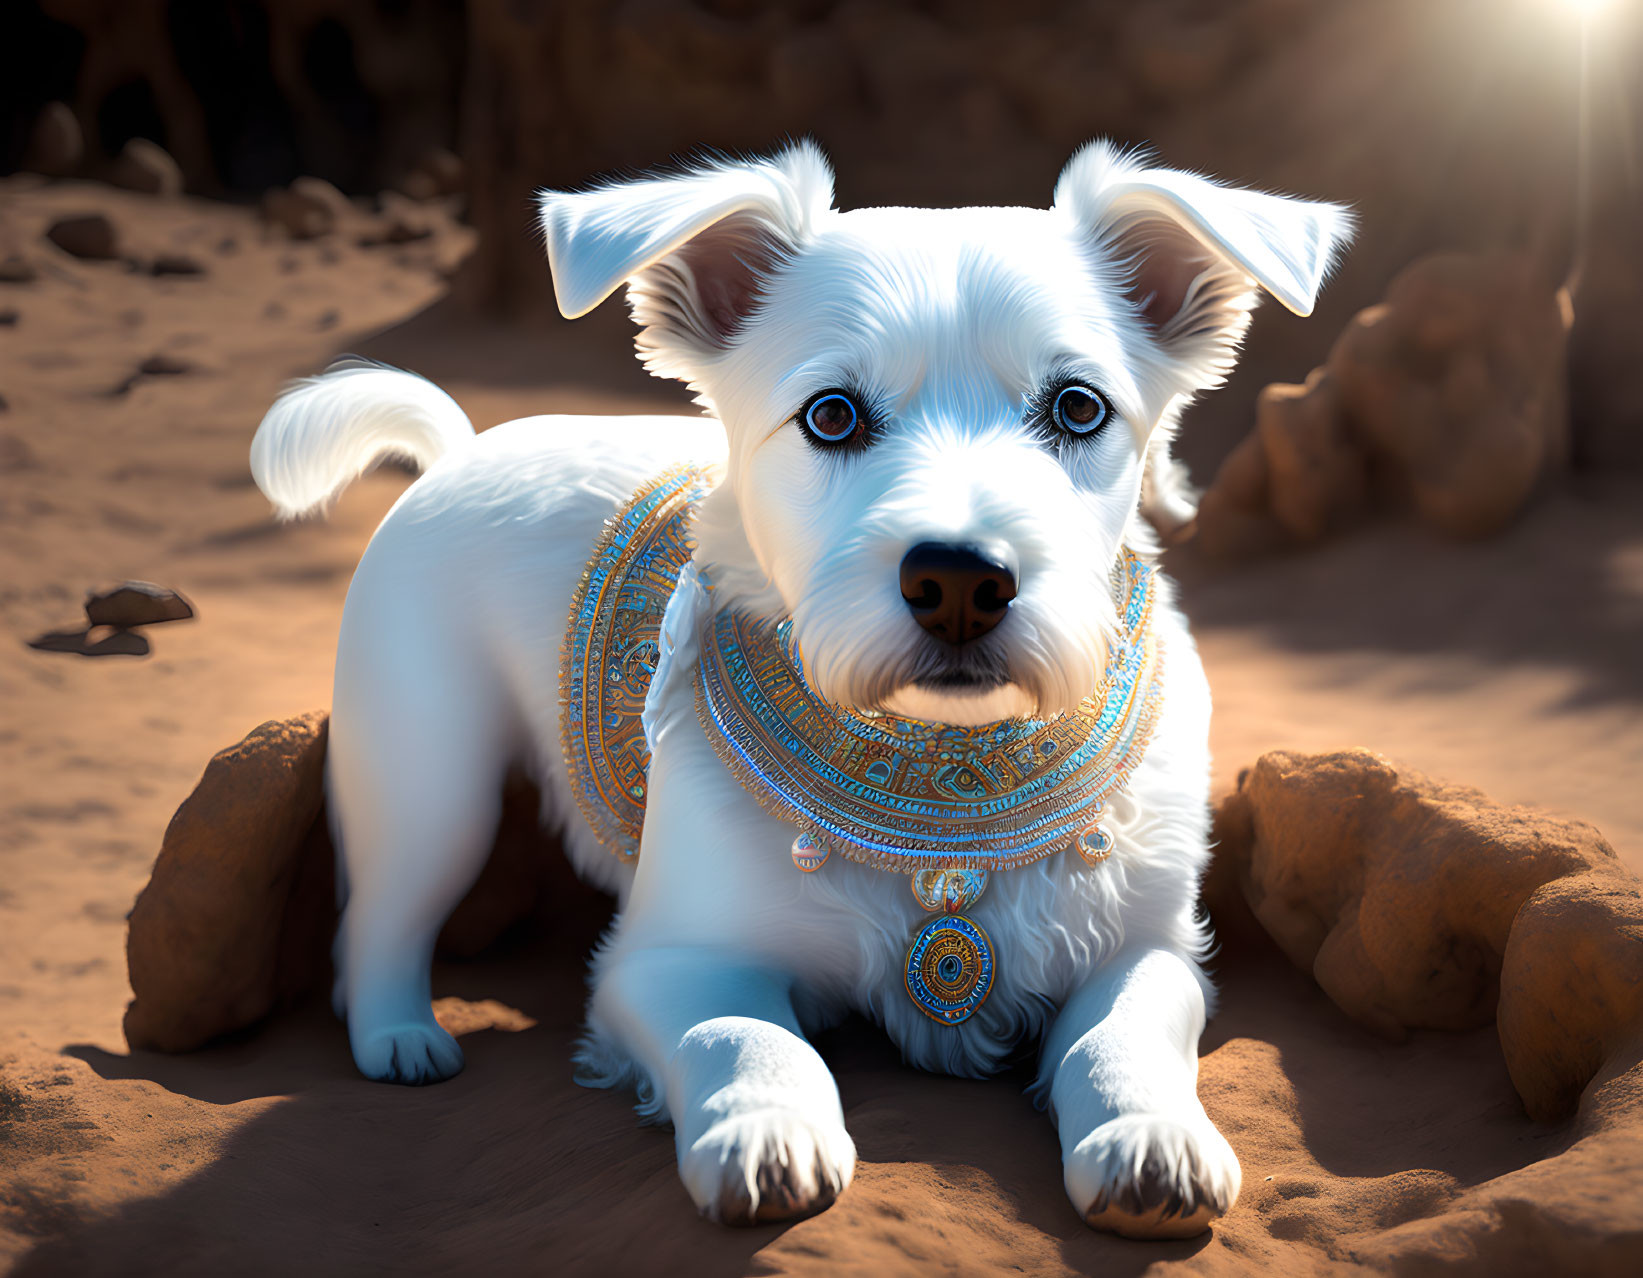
point(948, 891)
point(1094, 844)
point(809, 853)
point(949, 968)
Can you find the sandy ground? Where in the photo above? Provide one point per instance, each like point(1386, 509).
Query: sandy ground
point(1512, 665)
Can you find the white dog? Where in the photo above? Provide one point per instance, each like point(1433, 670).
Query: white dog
point(920, 483)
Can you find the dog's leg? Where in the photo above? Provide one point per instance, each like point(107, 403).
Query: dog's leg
point(1139, 1154)
point(415, 772)
point(756, 1114)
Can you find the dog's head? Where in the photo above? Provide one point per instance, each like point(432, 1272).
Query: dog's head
point(938, 419)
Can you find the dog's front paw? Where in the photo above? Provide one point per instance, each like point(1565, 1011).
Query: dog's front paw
point(417, 1053)
point(1153, 1176)
point(767, 1164)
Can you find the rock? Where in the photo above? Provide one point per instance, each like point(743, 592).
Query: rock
point(1452, 393)
point(449, 174)
point(1422, 905)
point(417, 185)
point(147, 167)
point(85, 235)
point(402, 222)
point(136, 603)
point(176, 264)
point(300, 216)
point(163, 365)
point(17, 270)
point(1234, 513)
point(238, 915)
point(242, 853)
point(56, 145)
point(1458, 382)
point(437, 173)
point(158, 365)
point(1316, 481)
point(319, 191)
point(1571, 986)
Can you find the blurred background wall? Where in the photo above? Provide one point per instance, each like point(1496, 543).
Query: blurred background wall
point(1450, 124)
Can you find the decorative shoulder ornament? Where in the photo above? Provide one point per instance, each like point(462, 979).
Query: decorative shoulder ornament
point(947, 805)
point(611, 648)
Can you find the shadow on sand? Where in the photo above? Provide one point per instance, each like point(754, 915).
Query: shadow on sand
point(513, 1168)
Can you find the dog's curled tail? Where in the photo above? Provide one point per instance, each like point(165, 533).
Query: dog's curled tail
point(325, 432)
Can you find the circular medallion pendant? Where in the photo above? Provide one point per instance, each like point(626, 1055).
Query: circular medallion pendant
point(949, 968)
point(948, 891)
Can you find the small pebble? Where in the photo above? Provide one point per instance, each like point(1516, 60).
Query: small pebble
point(147, 167)
point(90, 236)
point(175, 264)
point(57, 145)
point(164, 366)
point(136, 603)
point(17, 270)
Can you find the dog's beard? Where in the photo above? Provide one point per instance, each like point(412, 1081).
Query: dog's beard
point(970, 686)
point(1029, 668)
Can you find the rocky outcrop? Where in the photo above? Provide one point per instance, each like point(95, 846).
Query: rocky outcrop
point(1449, 397)
point(1422, 905)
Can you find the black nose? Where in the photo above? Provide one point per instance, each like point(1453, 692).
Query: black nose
point(957, 593)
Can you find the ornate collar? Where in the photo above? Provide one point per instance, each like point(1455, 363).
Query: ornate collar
point(905, 795)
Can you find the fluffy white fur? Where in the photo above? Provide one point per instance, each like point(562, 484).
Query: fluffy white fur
point(748, 285)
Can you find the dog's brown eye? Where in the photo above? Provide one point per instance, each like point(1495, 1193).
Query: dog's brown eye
point(832, 418)
point(1080, 410)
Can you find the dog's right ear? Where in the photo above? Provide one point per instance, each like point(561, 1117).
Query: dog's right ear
point(693, 249)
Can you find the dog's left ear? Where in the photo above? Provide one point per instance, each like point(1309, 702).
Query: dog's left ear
point(693, 248)
point(1189, 252)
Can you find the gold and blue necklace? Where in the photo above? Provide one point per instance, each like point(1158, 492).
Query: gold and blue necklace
point(947, 805)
